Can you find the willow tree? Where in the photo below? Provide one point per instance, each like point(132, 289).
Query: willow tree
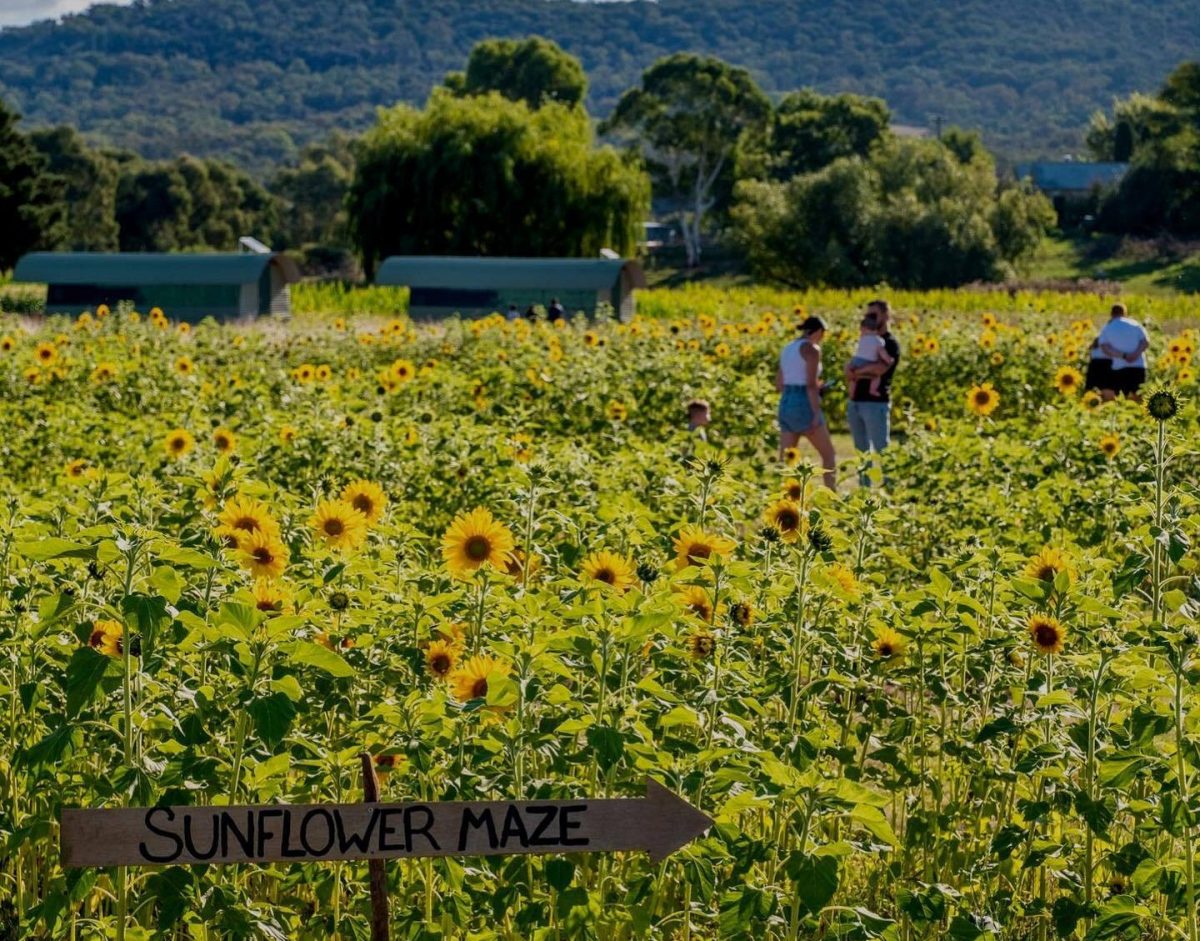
point(483, 175)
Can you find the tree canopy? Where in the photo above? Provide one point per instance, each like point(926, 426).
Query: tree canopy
point(484, 175)
point(30, 201)
point(534, 70)
point(913, 215)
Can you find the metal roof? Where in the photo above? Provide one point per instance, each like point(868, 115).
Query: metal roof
point(139, 268)
point(1069, 175)
point(469, 273)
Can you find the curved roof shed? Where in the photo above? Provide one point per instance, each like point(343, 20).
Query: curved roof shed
point(442, 285)
point(225, 285)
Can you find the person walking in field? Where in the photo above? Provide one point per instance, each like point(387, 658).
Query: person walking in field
point(871, 349)
point(869, 410)
point(1125, 342)
point(798, 381)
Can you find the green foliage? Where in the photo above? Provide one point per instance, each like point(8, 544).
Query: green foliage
point(809, 131)
point(253, 82)
point(87, 183)
point(483, 175)
point(913, 214)
point(312, 195)
point(1161, 136)
point(30, 205)
point(533, 70)
point(686, 119)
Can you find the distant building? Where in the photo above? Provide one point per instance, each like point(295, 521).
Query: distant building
point(1069, 178)
point(441, 286)
point(227, 285)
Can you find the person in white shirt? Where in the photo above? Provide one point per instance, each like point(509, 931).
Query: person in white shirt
point(871, 350)
point(798, 382)
point(1125, 342)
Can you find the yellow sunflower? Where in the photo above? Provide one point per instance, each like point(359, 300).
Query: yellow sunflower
point(402, 370)
point(791, 456)
point(179, 442)
point(475, 540)
point(45, 353)
point(694, 545)
point(269, 596)
point(79, 469)
point(104, 372)
point(366, 497)
point(224, 440)
point(617, 411)
point(339, 524)
point(287, 434)
point(1046, 565)
point(888, 644)
point(107, 637)
point(1091, 400)
point(1068, 380)
point(184, 366)
point(1110, 444)
point(610, 569)
point(785, 516)
point(983, 399)
point(843, 578)
point(243, 516)
point(1048, 634)
point(794, 489)
point(696, 600)
point(701, 645)
point(441, 658)
point(7, 343)
point(469, 680)
point(264, 555)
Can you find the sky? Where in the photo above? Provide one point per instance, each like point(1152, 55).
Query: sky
point(20, 12)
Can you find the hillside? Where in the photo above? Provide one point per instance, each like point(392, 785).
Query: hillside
point(252, 79)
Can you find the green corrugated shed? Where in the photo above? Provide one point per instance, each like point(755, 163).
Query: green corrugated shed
point(224, 285)
point(443, 285)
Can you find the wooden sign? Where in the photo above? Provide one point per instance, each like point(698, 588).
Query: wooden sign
point(660, 823)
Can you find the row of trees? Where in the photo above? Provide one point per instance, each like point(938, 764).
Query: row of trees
point(504, 159)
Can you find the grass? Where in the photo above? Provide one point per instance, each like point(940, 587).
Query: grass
point(1140, 267)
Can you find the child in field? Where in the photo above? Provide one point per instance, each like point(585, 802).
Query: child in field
point(871, 349)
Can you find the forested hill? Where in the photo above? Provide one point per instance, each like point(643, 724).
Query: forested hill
point(252, 79)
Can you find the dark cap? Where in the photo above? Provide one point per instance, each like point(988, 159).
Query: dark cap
point(812, 325)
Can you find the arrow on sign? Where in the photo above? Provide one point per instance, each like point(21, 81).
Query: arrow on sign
point(659, 823)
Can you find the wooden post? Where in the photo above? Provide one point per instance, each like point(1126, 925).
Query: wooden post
point(376, 868)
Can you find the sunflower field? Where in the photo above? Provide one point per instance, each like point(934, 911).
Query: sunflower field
point(491, 555)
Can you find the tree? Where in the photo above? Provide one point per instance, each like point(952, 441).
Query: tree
point(312, 195)
point(30, 197)
point(484, 175)
point(808, 131)
point(534, 70)
point(87, 183)
point(913, 215)
point(686, 119)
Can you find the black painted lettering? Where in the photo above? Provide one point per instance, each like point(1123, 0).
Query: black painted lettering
point(386, 829)
point(306, 839)
point(173, 837)
point(190, 843)
point(286, 848)
point(514, 827)
point(471, 822)
point(565, 823)
point(547, 813)
point(360, 841)
point(245, 839)
point(412, 830)
point(264, 833)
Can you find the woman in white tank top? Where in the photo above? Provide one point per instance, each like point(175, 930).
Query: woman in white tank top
point(798, 382)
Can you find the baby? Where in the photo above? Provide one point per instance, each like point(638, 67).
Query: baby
point(870, 350)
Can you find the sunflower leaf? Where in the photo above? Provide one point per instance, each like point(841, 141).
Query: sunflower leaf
point(314, 655)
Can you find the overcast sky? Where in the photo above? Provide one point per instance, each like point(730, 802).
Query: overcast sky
point(19, 12)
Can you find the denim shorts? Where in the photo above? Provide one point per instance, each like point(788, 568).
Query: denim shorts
point(795, 411)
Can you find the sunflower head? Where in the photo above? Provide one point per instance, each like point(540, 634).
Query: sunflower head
point(366, 497)
point(1161, 405)
point(888, 644)
point(244, 515)
point(696, 600)
point(791, 456)
point(742, 612)
point(338, 524)
point(475, 541)
point(983, 399)
point(107, 637)
point(263, 554)
point(609, 569)
point(1047, 564)
point(440, 658)
point(1068, 380)
point(224, 440)
point(471, 678)
point(45, 353)
point(179, 442)
point(1091, 400)
point(1110, 444)
point(1048, 634)
point(269, 596)
point(785, 516)
point(701, 645)
point(694, 546)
